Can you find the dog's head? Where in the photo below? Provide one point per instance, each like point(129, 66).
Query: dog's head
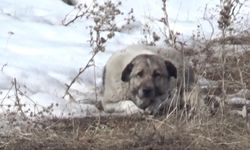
point(149, 78)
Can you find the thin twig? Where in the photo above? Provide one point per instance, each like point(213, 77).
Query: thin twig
point(95, 81)
point(79, 14)
point(7, 94)
point(79, 73)
point(18, 103)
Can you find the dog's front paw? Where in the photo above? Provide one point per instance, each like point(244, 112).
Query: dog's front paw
point(129, 108)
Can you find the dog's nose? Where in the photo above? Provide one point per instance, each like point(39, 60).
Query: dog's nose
point(147, 92)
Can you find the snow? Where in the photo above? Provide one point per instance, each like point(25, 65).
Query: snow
point(43, 55)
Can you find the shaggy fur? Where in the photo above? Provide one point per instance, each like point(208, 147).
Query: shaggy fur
point(145, 79)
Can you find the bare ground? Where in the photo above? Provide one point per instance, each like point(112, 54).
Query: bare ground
point(215, 132)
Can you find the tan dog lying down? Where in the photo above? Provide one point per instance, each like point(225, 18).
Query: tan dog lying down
point(144, 79)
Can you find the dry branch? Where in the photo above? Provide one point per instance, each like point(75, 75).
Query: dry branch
point(78, 75)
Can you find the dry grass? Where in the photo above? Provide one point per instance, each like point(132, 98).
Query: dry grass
point(237, 71)
point(115, 133)
point(231, 69)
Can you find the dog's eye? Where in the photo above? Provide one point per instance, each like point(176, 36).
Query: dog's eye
point(140, 74)
point(156, 74)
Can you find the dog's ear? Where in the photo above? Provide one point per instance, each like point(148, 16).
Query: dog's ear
point(171, 69)
point(126, 72)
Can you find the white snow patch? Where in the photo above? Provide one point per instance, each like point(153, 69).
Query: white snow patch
point(43, 55)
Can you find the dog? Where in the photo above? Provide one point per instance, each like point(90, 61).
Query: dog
point(145, 79)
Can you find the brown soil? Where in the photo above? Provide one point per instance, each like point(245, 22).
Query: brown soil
point(114, 133)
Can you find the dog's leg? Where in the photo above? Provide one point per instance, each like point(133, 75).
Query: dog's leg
point(125, 107)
